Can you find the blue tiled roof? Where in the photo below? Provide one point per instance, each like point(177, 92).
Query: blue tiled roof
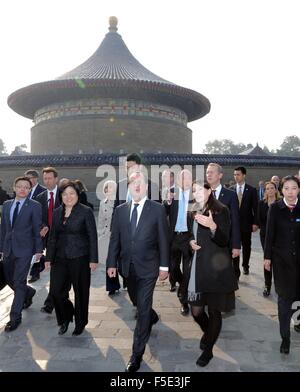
point(92, 160)
point(111, 72)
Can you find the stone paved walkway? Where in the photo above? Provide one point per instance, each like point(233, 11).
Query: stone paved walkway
point(249, 340)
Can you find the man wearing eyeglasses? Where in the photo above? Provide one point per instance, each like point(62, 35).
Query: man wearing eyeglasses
point(20, 239)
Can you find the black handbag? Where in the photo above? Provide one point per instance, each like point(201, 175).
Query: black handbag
point(2, 277)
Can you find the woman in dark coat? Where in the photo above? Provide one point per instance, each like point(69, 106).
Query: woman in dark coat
point(212, 281)
point(271, 195)
point(72, 251)
point(282, 252)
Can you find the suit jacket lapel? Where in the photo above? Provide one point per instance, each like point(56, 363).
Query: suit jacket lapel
point(21, 212)
point(127, 212)
point(142, 220)
point(244, 193)
point(8, 212)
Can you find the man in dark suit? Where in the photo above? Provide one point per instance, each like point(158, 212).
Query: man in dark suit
point(20, 240)
point(214, 174)
point(36, 189)
point(261, 190)
point(49, 200)
point(139, 243)
point(132, 164)
point(248, 202)
point(176, 208)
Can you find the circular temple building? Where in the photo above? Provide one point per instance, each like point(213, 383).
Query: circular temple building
point(109, 104)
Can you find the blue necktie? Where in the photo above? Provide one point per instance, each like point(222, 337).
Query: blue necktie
point(181, 217)
point(133, 220)
point(15, 214)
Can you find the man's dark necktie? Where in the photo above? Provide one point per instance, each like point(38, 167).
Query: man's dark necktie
point(214, 193)
point(15, 214)
point(50, 209)
point(133, 220)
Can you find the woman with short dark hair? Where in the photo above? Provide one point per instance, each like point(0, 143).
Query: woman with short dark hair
point(282, 253)
point(72, 252)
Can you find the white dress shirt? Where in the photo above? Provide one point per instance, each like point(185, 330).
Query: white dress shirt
point(33, 190)
point(242, 187)
point(218, 191)
point(54, 194)
point(139, 210)
point(288, 205)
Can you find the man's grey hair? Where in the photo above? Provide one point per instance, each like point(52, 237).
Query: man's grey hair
point(219, 167)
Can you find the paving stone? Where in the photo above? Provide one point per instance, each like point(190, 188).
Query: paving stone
point(249, 340)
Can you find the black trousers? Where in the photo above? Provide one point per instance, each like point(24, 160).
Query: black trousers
point(267, 274)
point(246, 237)
point(16, 270)
point(180, 250)
point(285, 313)
point(141, 290)
point(65, 272)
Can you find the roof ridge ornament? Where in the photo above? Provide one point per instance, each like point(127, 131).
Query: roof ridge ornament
point(113, 23)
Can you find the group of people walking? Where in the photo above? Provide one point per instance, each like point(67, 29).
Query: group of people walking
point(192, 232)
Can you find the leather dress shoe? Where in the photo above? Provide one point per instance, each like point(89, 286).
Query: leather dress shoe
point(12, 325)
point(78, 331)
point(184, 310)
point(266, 292)
point(172, 289)
point(133, 365)
point(28, 301)
point(33, 279)
point(63, 328)
point(46, 309)
point(204, 358)
point(246, 271)
point(113, 292)
point(285, 346)
point(154, 320)
point(297, 328)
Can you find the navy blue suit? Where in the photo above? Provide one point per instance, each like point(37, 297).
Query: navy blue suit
point(229, 198)
point(248, 217)
point(140, 257)
point(39, 189)
point(35, 269)
point(19, 244)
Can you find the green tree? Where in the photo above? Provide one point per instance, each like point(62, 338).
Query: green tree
point(2, 148)
point(290, 146)
point(225, 146)
point(20, 150)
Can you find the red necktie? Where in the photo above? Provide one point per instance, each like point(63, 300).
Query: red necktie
point(50, 209)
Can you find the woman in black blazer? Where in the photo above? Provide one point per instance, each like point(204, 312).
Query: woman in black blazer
point(271, 195)
point(72, 252)
point(282, 252)
point(212, 281)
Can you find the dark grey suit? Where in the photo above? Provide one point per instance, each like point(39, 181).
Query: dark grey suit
point(140, 257)
point(19, 244)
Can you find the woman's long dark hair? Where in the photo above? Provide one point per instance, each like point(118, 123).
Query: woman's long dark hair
point(212, 203)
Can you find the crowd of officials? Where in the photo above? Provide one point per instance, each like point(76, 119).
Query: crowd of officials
point(192, 232)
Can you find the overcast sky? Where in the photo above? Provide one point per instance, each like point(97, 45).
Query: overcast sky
point(243, 55)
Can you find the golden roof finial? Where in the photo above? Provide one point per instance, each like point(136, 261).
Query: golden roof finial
point(113, 23)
